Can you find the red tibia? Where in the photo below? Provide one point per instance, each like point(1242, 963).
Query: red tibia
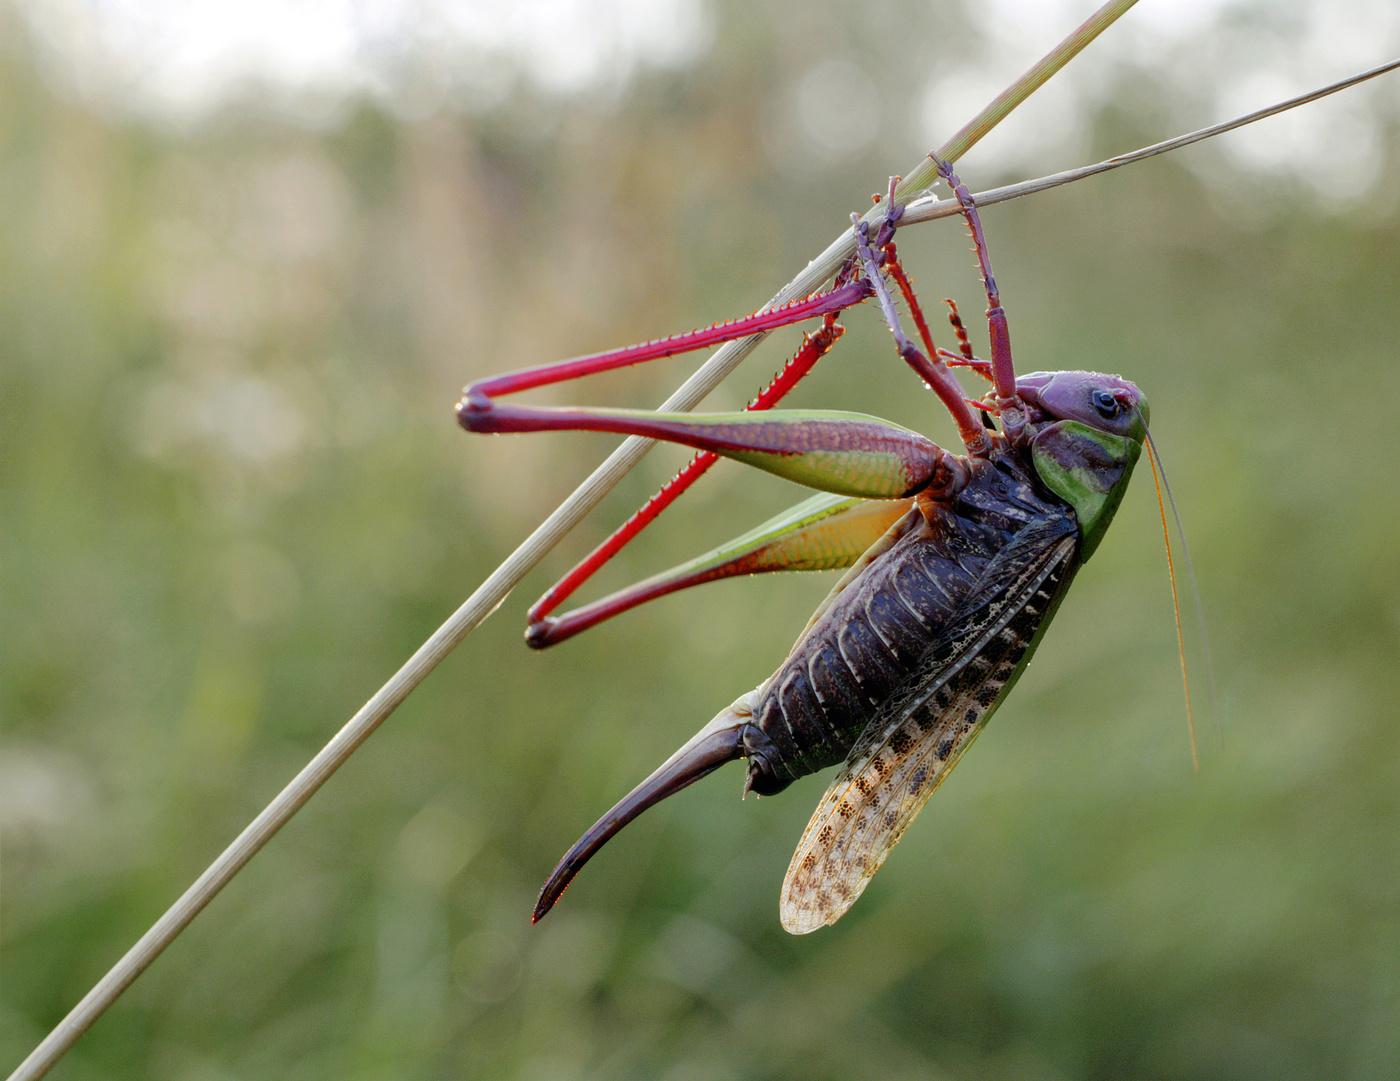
point(906, 287)
point(542, 630)
point(478, 394)
point(589, 565)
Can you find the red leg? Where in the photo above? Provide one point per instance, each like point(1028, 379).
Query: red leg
point(476, 399)
point(540, 632)
point(822, 533)
point(911, 299)
point(546, 629)
point(861, 276)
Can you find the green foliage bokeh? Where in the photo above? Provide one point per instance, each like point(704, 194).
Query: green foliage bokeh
point(233, 500)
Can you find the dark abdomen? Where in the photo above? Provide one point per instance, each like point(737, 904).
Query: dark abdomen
point(880, 626)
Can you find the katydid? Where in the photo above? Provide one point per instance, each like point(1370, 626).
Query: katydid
point(1029, 502)
point(956, 562)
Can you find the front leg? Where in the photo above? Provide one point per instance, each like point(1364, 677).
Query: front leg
point(1009, 405)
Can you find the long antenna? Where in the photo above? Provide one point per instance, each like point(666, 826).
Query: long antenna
point(1195, 589)
point(1176, 604)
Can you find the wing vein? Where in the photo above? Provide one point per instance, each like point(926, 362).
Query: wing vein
point(918, 735)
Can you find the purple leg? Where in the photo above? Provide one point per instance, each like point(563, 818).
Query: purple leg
point(933, 371)
point(1013, 416)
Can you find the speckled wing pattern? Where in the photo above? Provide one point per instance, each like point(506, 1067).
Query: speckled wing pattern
point(922, 730)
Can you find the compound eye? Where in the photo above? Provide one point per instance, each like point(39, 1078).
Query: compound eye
point(1106, 404)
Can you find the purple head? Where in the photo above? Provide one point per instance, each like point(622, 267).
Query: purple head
point(1105, 402)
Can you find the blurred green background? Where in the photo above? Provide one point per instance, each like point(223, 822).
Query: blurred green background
point(233, 500)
